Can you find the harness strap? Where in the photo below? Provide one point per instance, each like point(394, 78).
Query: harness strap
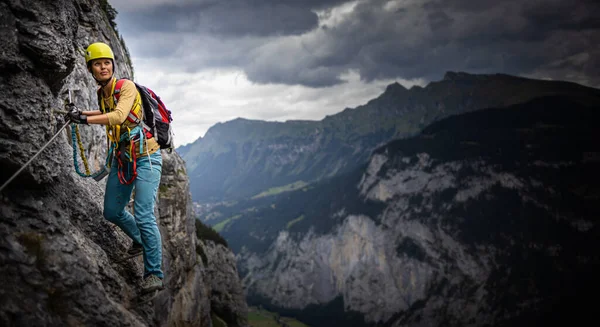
point(116, 130)
point(139, 133)
point(130, 138)
point(141, 138)
point(132, 117)
point(117, 90)
point(120, 171)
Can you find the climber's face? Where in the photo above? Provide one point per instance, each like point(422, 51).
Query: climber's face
point(102, 69)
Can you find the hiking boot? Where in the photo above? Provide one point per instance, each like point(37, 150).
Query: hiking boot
point(152, 283)
point(135, 249)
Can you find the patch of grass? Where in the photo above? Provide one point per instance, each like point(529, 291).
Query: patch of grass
point(220, 226)
point(163, 189)
point(324, 315)
point(293, 322)
point(262, 319)
point(280, 189)
point(292, 222)
point(217, 321)
point(33, 244)
point(258, 317)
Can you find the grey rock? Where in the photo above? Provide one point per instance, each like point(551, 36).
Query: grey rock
point(227, 298)
point(500, 231)
point(57, 253)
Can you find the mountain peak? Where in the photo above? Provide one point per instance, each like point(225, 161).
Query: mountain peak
point(453, 76)
point(468, 77)
point(235, 121)
point(394, 88)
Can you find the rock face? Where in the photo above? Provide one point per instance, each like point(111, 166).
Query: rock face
point(187, 299)
point(57, 253)
point(484, 219)
point(228, 300)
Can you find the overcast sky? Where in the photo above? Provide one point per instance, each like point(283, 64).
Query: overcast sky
point(216, 60)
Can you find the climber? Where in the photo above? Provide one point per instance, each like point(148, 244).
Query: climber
point(137, 163)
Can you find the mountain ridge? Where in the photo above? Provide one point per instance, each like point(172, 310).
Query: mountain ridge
point(456, 76)
point(485, 218)
point(243, 157)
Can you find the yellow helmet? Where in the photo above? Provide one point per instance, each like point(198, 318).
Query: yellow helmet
point(98, 50)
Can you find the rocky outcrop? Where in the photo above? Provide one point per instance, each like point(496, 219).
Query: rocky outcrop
point(228, 300)
point(186, 301)
point(484, 219)
point(58, 255)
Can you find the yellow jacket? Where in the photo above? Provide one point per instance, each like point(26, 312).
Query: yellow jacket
point(129, 100)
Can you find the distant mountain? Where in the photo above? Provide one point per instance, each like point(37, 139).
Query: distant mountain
point(242, 158)
point(183, 150)
point(488, 218)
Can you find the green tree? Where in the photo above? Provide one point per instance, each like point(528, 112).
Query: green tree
point(208, 233)
point(110, 11)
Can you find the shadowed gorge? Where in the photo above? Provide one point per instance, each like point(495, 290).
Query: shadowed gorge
point(483, 218)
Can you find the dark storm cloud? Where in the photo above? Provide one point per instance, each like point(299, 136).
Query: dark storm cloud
point(229, 18)
point(517, 37)
point(282, 42)
point(439, 19)
point(168, 24)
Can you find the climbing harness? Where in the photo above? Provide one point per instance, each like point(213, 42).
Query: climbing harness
point(127, 154)
point(124, 143)
point(33, 158)
point(126, 159)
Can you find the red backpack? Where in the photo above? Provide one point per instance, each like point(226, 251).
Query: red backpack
point(156, 117)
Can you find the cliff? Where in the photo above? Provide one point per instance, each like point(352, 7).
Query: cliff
point(487, 218)
point(58, 256)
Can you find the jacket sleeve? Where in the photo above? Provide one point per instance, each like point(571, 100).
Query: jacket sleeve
point(126, 101)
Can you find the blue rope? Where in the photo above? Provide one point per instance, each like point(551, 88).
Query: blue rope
point(93, 175)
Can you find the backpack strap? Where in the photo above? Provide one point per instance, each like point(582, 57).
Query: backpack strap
point(117, 94)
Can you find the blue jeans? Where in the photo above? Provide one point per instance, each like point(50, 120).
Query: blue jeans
point(142, 227)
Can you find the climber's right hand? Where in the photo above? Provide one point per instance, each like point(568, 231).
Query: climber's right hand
point(75, 115)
